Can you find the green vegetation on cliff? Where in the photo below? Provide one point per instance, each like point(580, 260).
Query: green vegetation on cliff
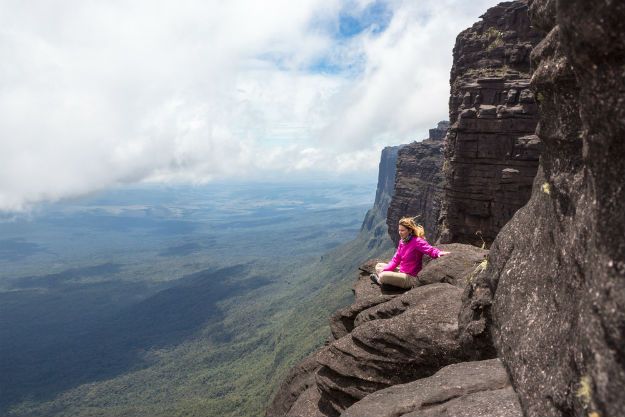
point(214, 342)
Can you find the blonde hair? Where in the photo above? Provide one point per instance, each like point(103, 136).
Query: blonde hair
point(415, 229)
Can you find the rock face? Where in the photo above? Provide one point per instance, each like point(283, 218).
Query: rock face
point(459, 266)
point(419, 184)
point(491, 153)
point(366, 296)
point(549, 299)
point(439, 132)
point(465, 389)
point(375, 219)
point(554, 290)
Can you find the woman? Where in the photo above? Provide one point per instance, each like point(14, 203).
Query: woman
point(412, 246)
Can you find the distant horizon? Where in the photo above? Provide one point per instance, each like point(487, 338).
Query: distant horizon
point(126, 191)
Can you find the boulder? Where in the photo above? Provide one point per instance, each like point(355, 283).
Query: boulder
point(457, 268)
point(306, 405)
point(471, 389)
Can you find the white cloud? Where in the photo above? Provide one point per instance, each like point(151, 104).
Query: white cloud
point(405, 87)
point(94, 94)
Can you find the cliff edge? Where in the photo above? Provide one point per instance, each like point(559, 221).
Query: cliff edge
point(491, 153)
point(553, 293)
point(535, 326)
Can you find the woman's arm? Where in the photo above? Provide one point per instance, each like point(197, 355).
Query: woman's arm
point(424, 247)
point(394, 262)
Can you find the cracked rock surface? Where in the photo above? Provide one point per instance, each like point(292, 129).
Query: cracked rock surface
point(470, 389)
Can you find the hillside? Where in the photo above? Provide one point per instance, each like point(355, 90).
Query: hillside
point(145, 316)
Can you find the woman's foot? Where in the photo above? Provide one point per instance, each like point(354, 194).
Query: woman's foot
point(375, 279)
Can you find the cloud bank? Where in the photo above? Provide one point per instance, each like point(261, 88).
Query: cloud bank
point(95, 94)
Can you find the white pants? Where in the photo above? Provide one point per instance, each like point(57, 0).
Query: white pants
point(396, 278)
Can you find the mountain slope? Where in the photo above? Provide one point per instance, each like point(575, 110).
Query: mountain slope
point(200, 349)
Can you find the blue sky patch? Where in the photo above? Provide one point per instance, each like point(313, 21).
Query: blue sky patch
point(375, 18)
point(350, 22)
point(332, 66)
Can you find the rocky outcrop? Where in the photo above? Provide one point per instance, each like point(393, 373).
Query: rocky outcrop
point(553, 293)
point(463, 389)
point(491, 153)
point(419, 184)
point(409, 337)
point(298, 394)
point(374, 224)
point(386, 337)
point(366, 296)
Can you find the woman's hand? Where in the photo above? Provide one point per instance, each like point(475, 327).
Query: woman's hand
point(443, 253)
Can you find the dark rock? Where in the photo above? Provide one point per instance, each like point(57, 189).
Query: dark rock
point(419, 184)
point(369, 266)
point(470, 389)
point(475, 320)
point(503, 402)
point(554, 289)
point(307, 405)
point(439, 132)
point(367, 294)
point(409, 337)
point(489, 161)
point(297, 390)
point(457, 268)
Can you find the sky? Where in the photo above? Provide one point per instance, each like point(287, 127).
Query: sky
point(98, 94)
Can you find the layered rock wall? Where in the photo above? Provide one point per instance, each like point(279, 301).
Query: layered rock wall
point(491, 153)
point(553, 295)
point(374, 223)
point(464, 389)
point(439, 132)
point(418, 188)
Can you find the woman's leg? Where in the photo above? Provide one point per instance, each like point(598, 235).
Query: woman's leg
point(379, 267)
point(397, 279)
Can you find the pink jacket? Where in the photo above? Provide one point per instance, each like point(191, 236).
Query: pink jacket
point(409, 255)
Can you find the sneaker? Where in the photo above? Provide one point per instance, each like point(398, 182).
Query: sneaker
point(375, 279)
